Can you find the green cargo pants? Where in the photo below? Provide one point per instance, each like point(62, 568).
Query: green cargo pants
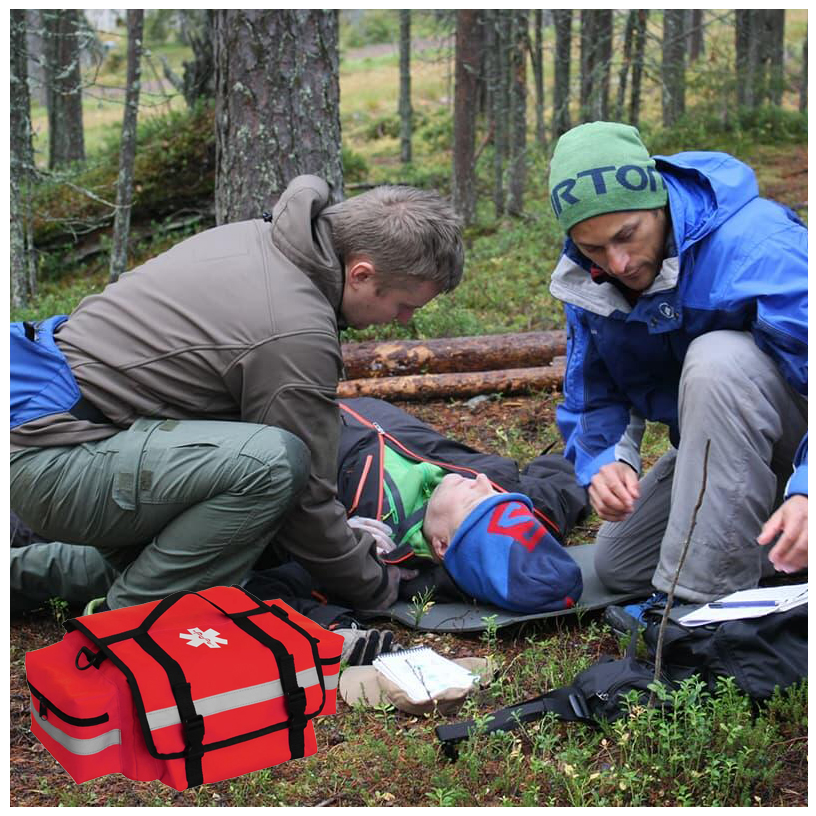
point(170, 504)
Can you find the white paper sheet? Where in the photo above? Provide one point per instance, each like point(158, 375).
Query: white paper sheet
point(751, 603)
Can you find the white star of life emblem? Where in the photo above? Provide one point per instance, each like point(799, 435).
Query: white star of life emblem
point(197, 637)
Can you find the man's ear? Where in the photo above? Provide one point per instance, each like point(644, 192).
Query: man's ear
point(439, 546)
point(358, 272)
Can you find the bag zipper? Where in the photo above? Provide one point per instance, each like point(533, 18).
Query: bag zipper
point(45, 706)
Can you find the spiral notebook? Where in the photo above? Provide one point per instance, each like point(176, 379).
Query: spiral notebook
point(422, 673)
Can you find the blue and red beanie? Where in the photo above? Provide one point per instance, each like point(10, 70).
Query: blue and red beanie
point(503, 555)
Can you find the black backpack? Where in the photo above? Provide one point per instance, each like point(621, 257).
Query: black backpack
point(759, 653)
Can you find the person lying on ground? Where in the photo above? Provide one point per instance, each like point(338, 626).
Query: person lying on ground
point(686, 302)
point(470, 523)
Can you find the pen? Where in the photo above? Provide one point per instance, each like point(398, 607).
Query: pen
point(733, 604)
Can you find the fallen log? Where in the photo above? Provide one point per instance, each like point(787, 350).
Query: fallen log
point(461, 385)
point(452, 354)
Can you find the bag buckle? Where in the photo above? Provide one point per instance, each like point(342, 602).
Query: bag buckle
point(296, 704)
point(193, 731)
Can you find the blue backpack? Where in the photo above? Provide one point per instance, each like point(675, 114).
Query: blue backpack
point(41, 379)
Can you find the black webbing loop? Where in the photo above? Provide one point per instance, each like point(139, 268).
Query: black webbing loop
point(94, 659)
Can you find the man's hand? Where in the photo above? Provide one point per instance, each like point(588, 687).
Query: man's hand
point(380, 532)
point(789, 522)
point(614, 490)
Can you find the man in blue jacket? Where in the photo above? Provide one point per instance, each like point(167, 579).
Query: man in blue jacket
point(686, 303)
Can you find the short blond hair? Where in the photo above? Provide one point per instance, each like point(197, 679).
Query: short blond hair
point(406, 233)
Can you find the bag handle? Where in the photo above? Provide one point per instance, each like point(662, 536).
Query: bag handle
point(157, 611)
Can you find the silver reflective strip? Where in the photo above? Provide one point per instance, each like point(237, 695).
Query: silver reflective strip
point(229, 700)
point(77, 745)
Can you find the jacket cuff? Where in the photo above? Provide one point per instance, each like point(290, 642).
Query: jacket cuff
point(588, 470)
point(798, 482)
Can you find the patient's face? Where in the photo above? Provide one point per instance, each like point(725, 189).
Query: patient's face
point(451, 503)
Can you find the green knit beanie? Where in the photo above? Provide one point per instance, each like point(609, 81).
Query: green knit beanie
point(602, 167)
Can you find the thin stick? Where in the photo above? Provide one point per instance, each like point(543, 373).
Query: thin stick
point(670, 599)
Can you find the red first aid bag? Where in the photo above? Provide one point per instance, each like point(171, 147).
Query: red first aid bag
point(196, 688)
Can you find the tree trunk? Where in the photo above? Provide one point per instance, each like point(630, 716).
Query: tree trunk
point(387, 358)
point(537, 59)
point(742, 39)
point(21, 170)
point(696, 35)
point(66, 140)
point(776, 54)
point(405, 112)
point(757, 57)
point(561, 91)
point(460, 386)
point(127, 147)
point(588, 40)
point(637, 65)
point(277, 108)
point(596, 58)
point(626, 64)
point(502, 19)
point(674, 79)
point(803, 82)
point(468, 58)
point(603, 62)
point(518, 106)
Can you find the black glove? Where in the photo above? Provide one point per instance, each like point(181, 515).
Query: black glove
point(361, 646)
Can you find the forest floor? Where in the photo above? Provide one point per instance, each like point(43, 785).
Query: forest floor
point(346, 780)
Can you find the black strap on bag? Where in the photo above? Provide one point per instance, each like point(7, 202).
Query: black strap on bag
point(761, 654)
point(595, 694)
point(566, 703)
point(193, 723)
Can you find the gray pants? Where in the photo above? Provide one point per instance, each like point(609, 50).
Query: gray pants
point(53, 569)
point(170, 504)
point(733, 394)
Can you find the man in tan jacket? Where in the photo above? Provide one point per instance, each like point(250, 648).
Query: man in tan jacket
point(207, 429)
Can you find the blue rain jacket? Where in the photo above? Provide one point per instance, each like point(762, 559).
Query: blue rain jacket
point(740, 263)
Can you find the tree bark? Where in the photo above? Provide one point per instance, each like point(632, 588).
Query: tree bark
point(437, 386)
point(803, 82)
point(499, 51)
point(603, 62)
point(561, 91)
point(742, 39)
point(637, 65)
point(696, 35)
point(537, 59)
point(596, 58)
point(453, 354)
point(775, 19)
point(626, 64)
point(468, 58)
point(405, 112)
point(66, 139)
point(518, 106)
point(127, 147)
point(674, 79)
point(587, 62)
point(277, 106)
point(21, 169)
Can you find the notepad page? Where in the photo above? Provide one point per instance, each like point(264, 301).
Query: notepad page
point(422, 673)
